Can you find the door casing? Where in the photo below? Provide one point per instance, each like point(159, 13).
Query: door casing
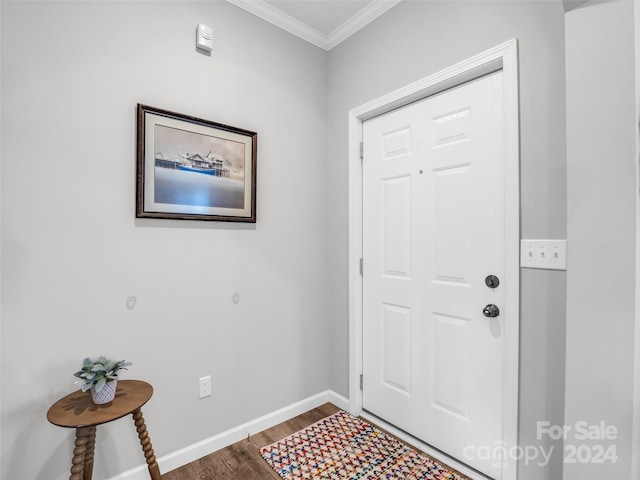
point(502, 57)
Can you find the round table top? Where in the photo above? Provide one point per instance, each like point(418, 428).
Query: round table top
point(78, 410)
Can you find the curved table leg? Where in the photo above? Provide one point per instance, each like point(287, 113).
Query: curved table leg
point(84, 439)
point(145, 442)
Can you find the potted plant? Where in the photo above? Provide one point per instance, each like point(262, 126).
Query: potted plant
point(101, 377)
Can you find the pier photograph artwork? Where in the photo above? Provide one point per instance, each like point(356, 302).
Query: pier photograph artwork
point(195, 169)
point(189, 168)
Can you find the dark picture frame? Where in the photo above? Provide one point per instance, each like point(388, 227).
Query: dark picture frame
point(194, 169)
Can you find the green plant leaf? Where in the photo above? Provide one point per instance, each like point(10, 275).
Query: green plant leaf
point(100, 384)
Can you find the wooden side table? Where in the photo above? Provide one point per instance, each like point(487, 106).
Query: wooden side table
point(78, 411)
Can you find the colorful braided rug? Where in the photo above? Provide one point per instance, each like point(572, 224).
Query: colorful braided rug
point(345, 447)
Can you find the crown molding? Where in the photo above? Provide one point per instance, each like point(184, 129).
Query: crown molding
point(280, 19)
point(294, 26)
point(365, 16)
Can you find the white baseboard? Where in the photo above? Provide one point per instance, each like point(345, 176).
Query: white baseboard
point(205, 447)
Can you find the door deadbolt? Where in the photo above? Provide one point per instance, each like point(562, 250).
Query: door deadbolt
point(492, 281)
point(491, 311)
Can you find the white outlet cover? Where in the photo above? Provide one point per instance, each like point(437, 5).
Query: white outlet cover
point(205, 386)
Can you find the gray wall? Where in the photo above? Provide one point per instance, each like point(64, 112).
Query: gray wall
point(72, 251)
point(412, 41)
point(601, 197)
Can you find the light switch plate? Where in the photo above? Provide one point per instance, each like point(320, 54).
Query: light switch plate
point(545, 254)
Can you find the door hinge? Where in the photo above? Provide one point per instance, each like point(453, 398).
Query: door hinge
point(361, 150)
point(361, 267)
point(361, 381)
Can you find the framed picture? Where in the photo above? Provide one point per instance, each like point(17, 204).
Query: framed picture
point(194, 169)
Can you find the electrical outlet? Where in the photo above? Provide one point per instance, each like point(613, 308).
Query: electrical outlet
point(205, 386)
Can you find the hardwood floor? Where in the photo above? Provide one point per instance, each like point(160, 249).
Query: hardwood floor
point(242, 460)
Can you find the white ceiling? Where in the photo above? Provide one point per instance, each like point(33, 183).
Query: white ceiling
point(324, 23)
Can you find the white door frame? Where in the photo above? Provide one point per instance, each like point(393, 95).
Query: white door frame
point(503, 57)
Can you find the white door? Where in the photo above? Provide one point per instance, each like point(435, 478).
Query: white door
point(433, 230)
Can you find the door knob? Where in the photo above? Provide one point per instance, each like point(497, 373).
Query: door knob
point(491, 311)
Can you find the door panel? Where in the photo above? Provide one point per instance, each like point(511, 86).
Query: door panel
point(396, 348)
point(396, 225)
point(451, 389)
point(433, 229)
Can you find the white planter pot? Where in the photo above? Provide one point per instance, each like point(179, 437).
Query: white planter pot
point(105, 395)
